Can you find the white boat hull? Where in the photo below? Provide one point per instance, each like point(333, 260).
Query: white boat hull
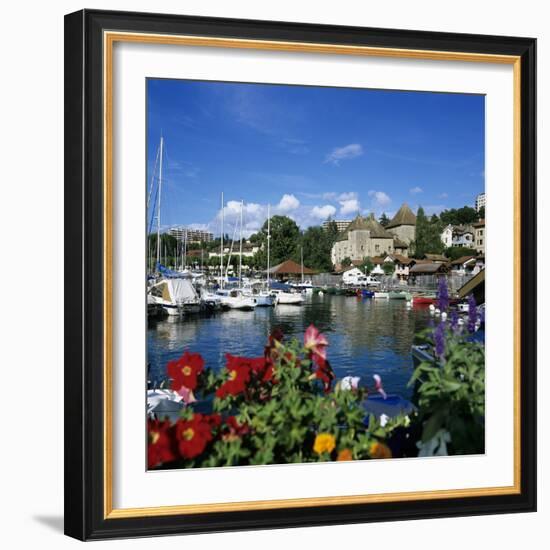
point(243, 303)
point(289, 298)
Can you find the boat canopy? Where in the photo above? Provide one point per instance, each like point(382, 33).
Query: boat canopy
point(169, 273)
point(175, 291)
point(274, 285)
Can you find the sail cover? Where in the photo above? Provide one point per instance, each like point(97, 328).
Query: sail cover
point(182, 291)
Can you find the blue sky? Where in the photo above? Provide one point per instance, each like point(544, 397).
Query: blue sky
point(310, 152)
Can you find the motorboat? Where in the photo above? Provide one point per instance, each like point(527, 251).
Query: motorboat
point(235, 298)
point(381, 295)
point(285, 294)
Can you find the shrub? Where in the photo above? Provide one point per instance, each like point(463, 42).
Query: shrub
point(277, 408)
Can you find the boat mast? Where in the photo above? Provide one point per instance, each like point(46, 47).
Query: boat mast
point(159, 193)
point(185, 252)
point(268, 239)
point(302, 261)
point(221, 250)
point(241, 249)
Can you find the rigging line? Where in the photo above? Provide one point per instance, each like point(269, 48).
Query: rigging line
point(153, 210)
point(231, 249)
point(153, 177)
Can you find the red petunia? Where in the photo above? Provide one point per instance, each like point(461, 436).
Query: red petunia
point(323, 372)
point(233, 429)
point(185, 370)
point(239, 370)
point(160, 447)
point(193, 435)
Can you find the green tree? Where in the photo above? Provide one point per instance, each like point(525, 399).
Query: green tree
point(481, 213)
point(367, 265)
point(285, 238)
point(317, 244)
point(459, 216)
point(346, 262)
point(332, 231)
point(388, 268)
point(384, 220)
point(428, 235)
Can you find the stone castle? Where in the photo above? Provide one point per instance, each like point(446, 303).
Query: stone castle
point(365, 237)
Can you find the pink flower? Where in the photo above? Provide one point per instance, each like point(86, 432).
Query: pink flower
point(378, 385)
point(315, 342)
point(187, 395)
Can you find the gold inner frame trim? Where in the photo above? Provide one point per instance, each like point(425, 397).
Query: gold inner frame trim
point(109, 39)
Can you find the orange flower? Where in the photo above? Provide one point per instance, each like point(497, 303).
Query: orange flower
point(379, 450)
point(345, 454)
point(324, 443)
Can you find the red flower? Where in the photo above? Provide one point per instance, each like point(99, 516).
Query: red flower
point(234, 429)
point(323, 372)
point(275, 336)
point(239, 369)
point(185, 370)
point(160, 448)
point(315, 342)
point(193, 435)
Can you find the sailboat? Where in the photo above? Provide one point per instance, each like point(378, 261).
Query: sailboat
point(235, 298)
point(303, 286)
point(263, 296)
point(168, 290)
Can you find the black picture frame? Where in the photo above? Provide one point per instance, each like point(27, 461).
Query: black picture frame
point(84, 275)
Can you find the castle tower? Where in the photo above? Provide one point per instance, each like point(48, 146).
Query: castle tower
point(403, 224)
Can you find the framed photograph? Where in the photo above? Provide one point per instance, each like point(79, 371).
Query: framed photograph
point(300, 274)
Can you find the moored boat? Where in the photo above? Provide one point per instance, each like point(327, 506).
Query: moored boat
point(424, 299)
point(381, 295)
point(175, 295)
point(236, 299)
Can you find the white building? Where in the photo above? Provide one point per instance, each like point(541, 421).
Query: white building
point(249, 250)
point(458, 235)
point(191, 235)
point(479, 236)
point(480, 202)
point(340, 224)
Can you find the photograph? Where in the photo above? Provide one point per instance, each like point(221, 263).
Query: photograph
point(315, 261)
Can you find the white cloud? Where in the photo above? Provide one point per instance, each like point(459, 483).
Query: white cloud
point(415, 190)
point(288, 203)
point(349, 206)
point(443, 196)
point(379, 198)
point(323, 212)
point(338, 154)
point(347, 196)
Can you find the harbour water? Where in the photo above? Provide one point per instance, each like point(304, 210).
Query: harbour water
point(365, 336)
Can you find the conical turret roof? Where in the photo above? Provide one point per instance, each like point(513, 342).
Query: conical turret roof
point(404, 216)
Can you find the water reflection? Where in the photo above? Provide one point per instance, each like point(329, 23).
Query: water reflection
point(366, 336)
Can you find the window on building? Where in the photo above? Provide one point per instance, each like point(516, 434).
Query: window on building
point(377, 248)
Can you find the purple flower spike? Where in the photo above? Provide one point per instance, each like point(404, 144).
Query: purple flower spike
point(472, 313)
point(443, 294)
point(439, 340)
